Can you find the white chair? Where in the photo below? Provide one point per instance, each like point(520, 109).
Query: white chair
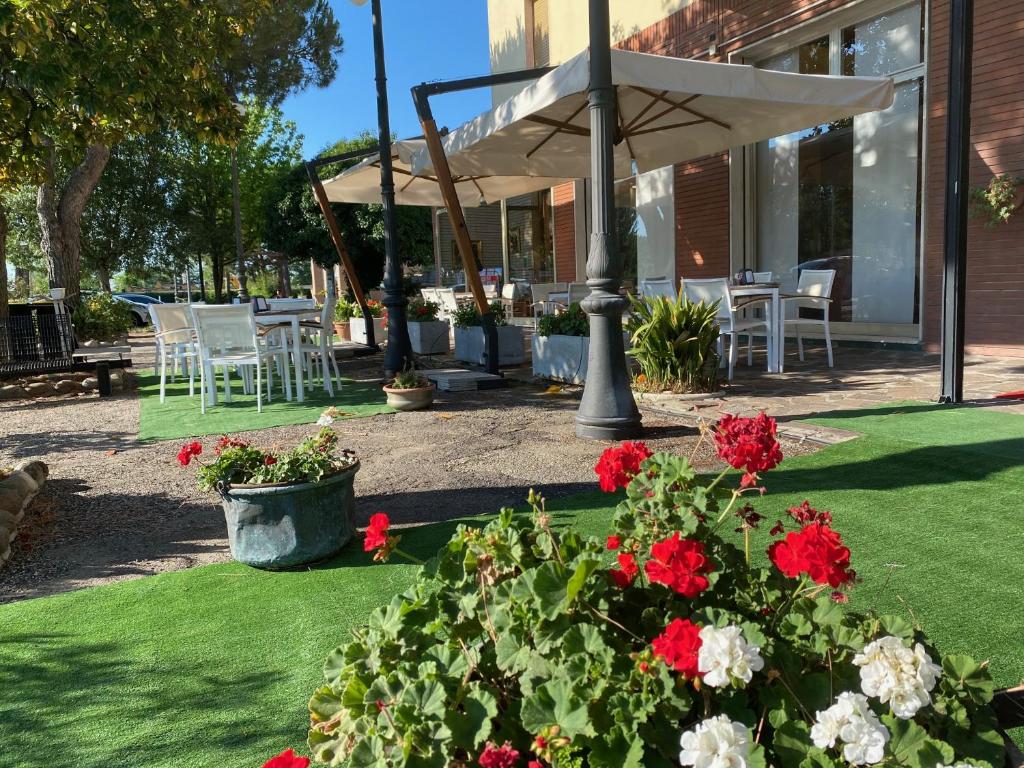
point(318, 346)
point(657, 286)
point(429, 294)
point(509, 294)
point(175, 341)
point(578, 292)
point(716, 289)
point(759, 277)
point(279, 304)
point(814, 291)
point(449, 304)
point(226, 335)
point(540, 301)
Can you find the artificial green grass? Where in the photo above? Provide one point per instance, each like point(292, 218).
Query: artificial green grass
point(213, 666)
point(179, 415)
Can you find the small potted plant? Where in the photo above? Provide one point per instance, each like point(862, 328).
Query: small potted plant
point(409, 391)
point(344, 310)
point(561, 346)
point(428, 335)
point(357, 325)
point(470, 345)
point(282, 508)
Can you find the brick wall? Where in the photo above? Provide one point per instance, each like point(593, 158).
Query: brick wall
point(565, 233)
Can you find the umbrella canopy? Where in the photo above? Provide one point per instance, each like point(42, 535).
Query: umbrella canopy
point(361, 182)
point(669, 110)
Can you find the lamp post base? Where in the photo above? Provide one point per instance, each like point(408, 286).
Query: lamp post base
point(614, 430)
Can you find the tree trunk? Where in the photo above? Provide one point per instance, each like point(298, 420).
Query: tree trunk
point(22, 283)
point(60, 219)
point(236, 211)
point(4, 296)
point(217, 268)
point(284, 277)
point(104, 277)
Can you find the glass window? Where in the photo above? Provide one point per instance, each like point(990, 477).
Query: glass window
point(530, 236)
point(627, 229)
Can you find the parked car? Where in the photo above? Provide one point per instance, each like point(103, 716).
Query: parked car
point(141, 298)
point(140, 310)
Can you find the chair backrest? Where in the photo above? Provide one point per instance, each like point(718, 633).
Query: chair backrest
point(508, 291)
point(764, 277)
point(429, 294)
point(225, 327)
point(539, 291)
point(816, 282)
point(292, 303)
point(490, 290)
point(657, 286)
point(578, 292)
point(327, 312)
point(170, 317)
point(709, 290)
point(446, 298)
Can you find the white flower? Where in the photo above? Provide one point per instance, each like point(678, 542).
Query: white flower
point(851, 722)
point(897, 675)
point(717, 742)
point(724, 655)
point(324, 421)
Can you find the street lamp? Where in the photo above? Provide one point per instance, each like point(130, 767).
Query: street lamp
point(398, 355)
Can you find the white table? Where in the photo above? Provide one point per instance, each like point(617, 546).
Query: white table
point(293, 317)
point(769, 291)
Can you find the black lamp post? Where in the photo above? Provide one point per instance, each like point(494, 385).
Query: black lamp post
point(607, 410)
point(398, 356)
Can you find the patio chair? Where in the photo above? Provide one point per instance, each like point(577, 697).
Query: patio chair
point(540, 302)
point(175, 342)
point(226, 335)
point(509, 294)
point(429, 294)
point(318, 346)
point(578, 292)
point(730, 323)
point(657, 286)
point(814, 291)
point(758, 311)
point(279, 304)
point(449, 304)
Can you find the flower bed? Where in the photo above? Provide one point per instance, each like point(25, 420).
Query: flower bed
point(526, 644)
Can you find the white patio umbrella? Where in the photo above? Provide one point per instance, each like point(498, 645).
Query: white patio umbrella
point(669, 110)
point(361, 182)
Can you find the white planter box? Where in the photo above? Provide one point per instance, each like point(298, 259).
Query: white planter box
point(469, 345)
point(430, 337)
point(357, 326)
point(562, 358)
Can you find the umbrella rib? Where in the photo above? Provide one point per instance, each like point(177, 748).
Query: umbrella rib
point(641, 113)
point(558, 126)
point(682, 106)
point(669, 127)
point(664, 112)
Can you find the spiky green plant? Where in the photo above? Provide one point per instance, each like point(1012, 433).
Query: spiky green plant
point(675, 343)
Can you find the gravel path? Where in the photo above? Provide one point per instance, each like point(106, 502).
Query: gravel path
point(114, 508)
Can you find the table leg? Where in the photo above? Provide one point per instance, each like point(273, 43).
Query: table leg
point(297, 353)
point(779, 331)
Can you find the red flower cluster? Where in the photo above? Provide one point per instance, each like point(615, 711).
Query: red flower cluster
point(805, 514)
point(269, 460)
point(625, 574)
point(613, 542)
point(287, 759)
point(618, 465)
point(493, 756)
point(679, 564)
point(678, 646)
point(188, 452)
point(376, 532)
point(816, 550)
point(228, 442)
point(748, 444)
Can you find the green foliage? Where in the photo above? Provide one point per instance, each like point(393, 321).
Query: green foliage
point(466, 315)
point(344, 309)
point(102, 317)
point(674, 341)
point(572, 322)
point(515, 631)
point(238, 463)
point(421, 310)
point(995, 203)
point(409, 379)
point(374, 307)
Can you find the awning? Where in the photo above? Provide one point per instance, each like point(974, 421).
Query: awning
point(669, 110)
point(361, 183)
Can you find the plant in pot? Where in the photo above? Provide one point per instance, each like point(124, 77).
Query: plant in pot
point(470, 345)
point(357, 324)
point(675, 344)
point(428, 335)
point(344, 311)
point(409, 391)
point(561, 346)
point(282, 508)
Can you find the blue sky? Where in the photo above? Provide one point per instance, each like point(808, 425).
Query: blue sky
point(423, 40)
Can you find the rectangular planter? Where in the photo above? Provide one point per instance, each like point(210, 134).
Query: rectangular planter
point(562, 358)
point(469, 345)
point(430, 337)
point(358, 328)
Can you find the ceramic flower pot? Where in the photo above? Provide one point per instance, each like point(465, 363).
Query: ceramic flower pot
point(288, 524)
point(343, 331)
point(415, 399)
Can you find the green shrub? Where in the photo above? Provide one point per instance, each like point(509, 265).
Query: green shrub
point(102, 317)
point(375, 308)
point(675, 344)
point(421, 310)
point(345, 309)
point(572, 322)
point(466, 315)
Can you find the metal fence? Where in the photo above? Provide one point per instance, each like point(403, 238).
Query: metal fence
point(35, 338)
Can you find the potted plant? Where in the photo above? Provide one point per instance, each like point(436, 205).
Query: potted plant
point(470, 345)
point(561, 346)
point(357, 325)
point(409, 391)
point(428, 335)
point(344, 310)
point(282, 508)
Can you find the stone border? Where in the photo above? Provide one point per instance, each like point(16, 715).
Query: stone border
point(63, 384)
point(17, 489)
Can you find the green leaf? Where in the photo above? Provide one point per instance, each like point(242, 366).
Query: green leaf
point(555, 703)
point(472, 725)
point(579, 577)
point(792, 742)
point(970, 676)
point(550, 588)
point(426, 697)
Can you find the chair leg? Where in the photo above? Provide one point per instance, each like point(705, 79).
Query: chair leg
point(191, 363)
point(721, 351)
point(750, 348)
point(828, 343)
point(163, 375)
point(202, 390)
point(800, 342)
point(334, 364)
point(259, 387)
point(733, 351)
point(328, 385)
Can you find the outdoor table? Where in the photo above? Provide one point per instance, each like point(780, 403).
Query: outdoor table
point(775, 321)
point(292, 317)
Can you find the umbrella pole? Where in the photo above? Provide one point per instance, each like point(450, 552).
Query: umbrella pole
point(607, 410)
point(343, 255)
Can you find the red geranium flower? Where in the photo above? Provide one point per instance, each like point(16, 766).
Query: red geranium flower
point(498, 757)
point(624, 575)
point(188, 452)
point(618, 465)
point(228, 442)
point(748, 444)
point(613, 542)
point(805, 513)
point(376, 532)
point(679, 564)
point(287, 759)
point(815, 550)
point(269, 460)
point(678, 646)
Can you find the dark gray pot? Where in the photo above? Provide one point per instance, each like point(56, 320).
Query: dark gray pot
point(280, 526)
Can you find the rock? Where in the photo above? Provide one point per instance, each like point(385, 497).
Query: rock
point(8, 522)
point(5, 552)
point(67, 386)
point(12, 392)
point(90, 383)
point(41, 389)
point(34, 468)
point(20, 482)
